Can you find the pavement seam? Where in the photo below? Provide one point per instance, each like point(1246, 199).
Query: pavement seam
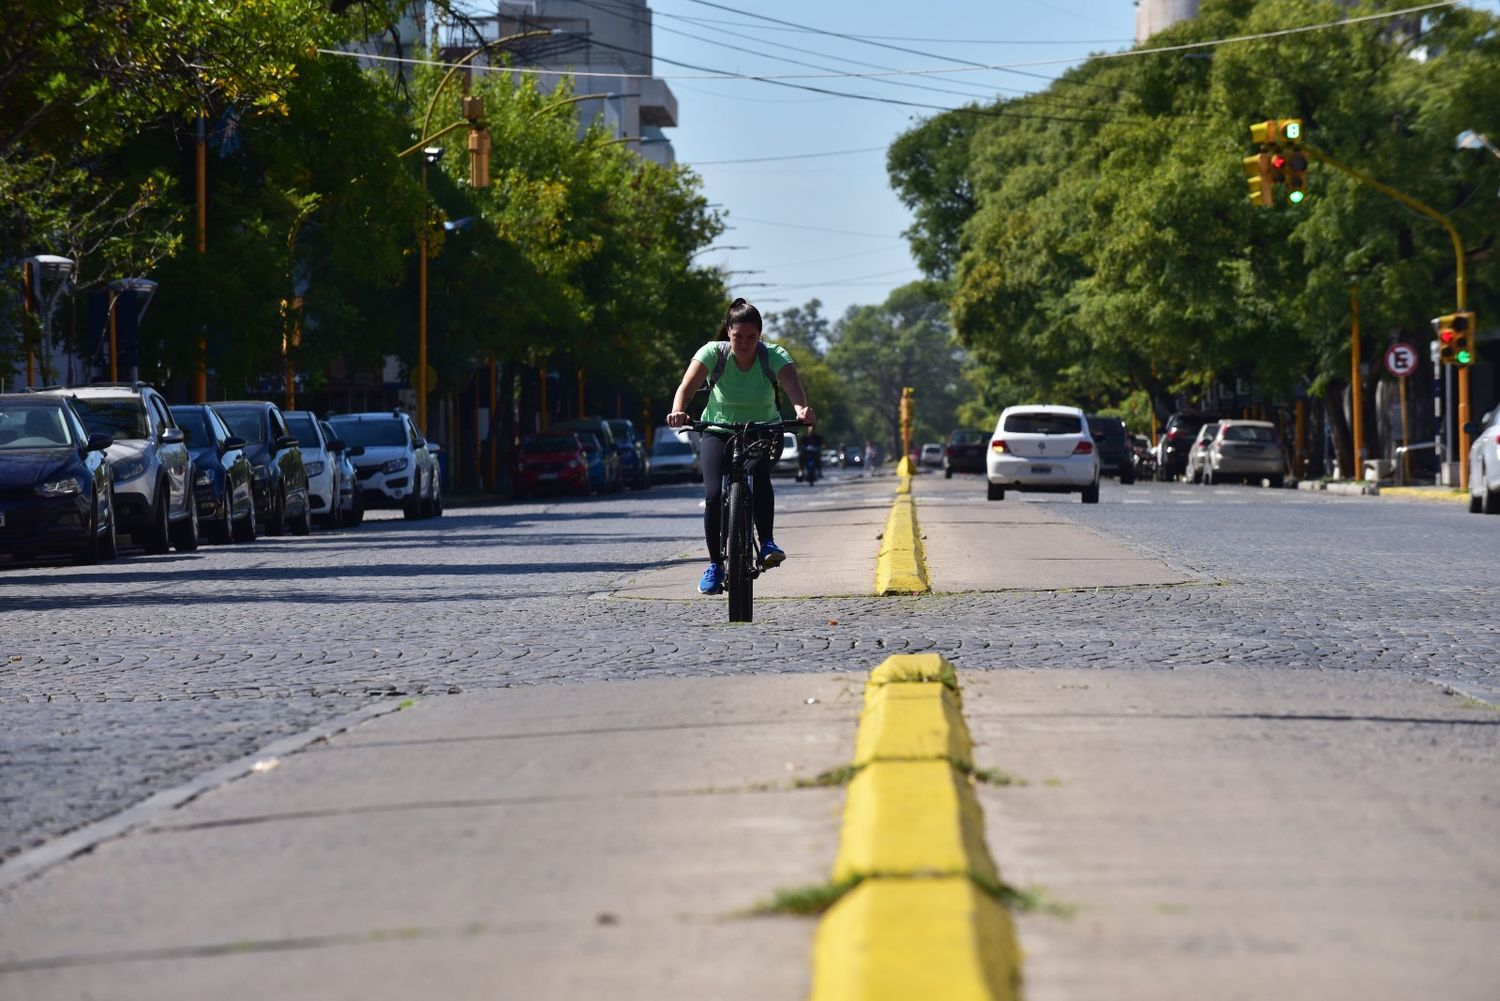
point(923, 919)
point(901, 567)
point(30, 864)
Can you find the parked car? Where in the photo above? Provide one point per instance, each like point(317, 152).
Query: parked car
point(153, 474)
point(1113, 444)
point(600, 429)
point(1197, 460)
point(1484, 463)
point(278, 474)
point(674, 458)
point(55, 482)
point(351, 504)
point(635, 461)
point(789, 462)
point(964, 452)
point(551, 462)
point(602, 464)
point(1043, 448)
point(931, 455)
point(1176, 441)
point(223, 483)
point(398, 468)
point(1245, 450)
point(325, 471)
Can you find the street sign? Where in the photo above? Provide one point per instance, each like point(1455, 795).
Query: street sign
point(1401, 360)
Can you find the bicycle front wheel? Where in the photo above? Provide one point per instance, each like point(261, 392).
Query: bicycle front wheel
point(741, 555)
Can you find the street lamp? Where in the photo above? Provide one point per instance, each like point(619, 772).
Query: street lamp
point(479, 177)
point(1469, 139)
point(46, 277)
point(142, 290)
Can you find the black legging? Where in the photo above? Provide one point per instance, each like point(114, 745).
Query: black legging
point(711, 459)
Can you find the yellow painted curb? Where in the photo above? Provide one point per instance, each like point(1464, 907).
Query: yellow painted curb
point(911, 818)
point(912, 720)
point(900, 569)
point(913, 667)
point(914, 940)
point(1421, 493)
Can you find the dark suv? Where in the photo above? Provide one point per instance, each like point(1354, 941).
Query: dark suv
point(278, 478)
point(1113, 443)
point(1177, 441)
point(635, 463)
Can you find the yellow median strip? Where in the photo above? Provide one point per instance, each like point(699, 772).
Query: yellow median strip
point(901, 567)
point(923, 921)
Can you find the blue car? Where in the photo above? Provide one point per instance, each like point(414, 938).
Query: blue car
point(598, 463)
point(635, 462)
point(222, 482)
point(56, 492)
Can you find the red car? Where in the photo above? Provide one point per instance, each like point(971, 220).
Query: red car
point(552, 463)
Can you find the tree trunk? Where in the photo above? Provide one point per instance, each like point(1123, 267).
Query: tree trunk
point(1333, 413)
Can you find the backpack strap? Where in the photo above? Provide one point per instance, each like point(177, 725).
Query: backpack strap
point(718, 369)
point(765, 366)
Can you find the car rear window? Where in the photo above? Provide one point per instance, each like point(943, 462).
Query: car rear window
point(390, 433)
point(1244, 432)
point(121, 418)
point(552, 443)
point(968, 438)
point(1106, 429)
point(1030, 422)
point(667, 447)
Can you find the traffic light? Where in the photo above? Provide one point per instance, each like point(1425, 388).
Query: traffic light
point(1455, 337)
point(1258, 178)
point(1294, 161)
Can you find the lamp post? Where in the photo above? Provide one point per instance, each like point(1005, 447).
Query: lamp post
point(142, 290)
point(479, 177)
point(46, 277)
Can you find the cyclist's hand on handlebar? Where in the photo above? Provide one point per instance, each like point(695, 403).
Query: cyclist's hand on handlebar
point(805, 414)
point(678, 418)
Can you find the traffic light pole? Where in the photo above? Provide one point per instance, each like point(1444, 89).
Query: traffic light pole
point(1461, 291)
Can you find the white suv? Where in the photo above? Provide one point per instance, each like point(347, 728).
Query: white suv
point(149, 461)
point(399, 468)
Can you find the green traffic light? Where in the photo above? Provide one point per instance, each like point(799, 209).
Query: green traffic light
point(1292, 130)
point(1463, 357)
point(1295, 197)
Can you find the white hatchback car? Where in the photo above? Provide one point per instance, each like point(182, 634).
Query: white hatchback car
point(1047, 449)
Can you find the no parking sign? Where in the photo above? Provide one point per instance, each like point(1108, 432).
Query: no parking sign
point(1401, 360)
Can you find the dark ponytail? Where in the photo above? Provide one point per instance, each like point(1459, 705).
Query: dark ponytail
point(739, 311)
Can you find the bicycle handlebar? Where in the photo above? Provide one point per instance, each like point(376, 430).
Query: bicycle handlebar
point(778, 424)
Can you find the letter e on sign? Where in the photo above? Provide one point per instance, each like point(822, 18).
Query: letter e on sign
point(1401, 360)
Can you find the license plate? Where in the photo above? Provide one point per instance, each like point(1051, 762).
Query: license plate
point(1040, 470)
point(546, 476)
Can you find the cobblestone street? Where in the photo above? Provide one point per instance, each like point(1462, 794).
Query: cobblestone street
point(121, 680)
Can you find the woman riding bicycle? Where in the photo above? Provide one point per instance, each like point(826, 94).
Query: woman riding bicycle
point(741, 393)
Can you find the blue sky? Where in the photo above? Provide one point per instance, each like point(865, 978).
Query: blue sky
point(829, 227)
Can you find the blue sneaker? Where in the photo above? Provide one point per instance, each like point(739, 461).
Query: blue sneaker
point(771, 554)
point(712, 581)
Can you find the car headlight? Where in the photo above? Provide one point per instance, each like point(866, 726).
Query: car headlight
point(204, 479)
point(128, 469)
point(314, 469)
point(59, 488)
point(574, 463)
point(395, 465)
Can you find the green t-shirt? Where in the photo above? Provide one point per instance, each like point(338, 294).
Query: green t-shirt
point(741, 396)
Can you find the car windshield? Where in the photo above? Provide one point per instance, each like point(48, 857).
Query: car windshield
point(621, 431)
point(1043, 423)
point(590, 443)
point(302, 429)
point(390, 433)
point(122, 418)
point(194, 426)
point(1248, 432)
point(968, 438)
point(33, 427)
point(667, 447)
point(246, 424)
point(551, 443)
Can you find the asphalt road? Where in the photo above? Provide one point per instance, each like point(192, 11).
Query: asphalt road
point(121, 680)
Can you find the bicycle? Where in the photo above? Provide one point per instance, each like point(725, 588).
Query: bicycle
point(738, 544)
